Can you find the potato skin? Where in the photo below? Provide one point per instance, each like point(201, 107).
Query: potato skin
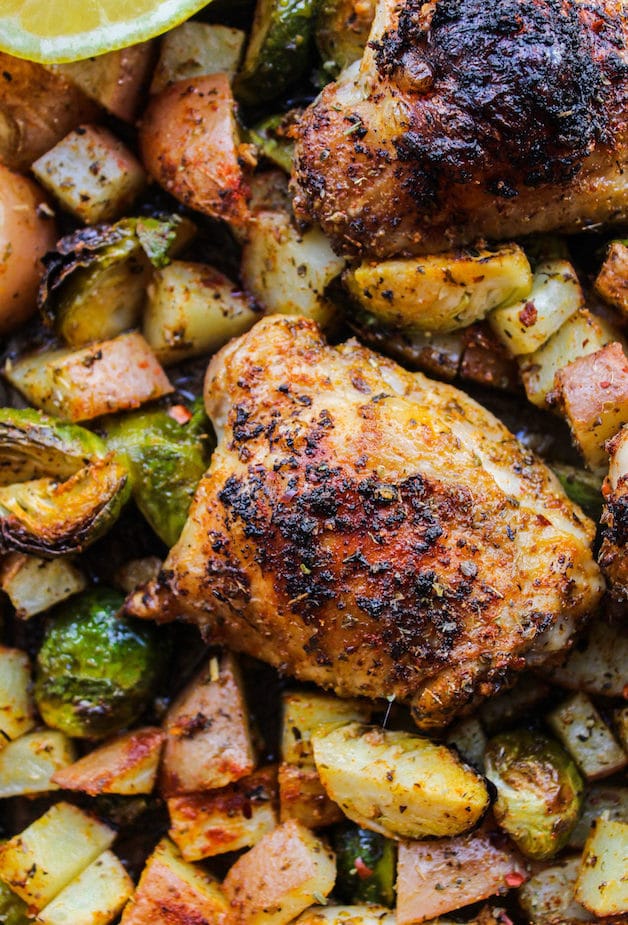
point(188, 141)
point(25, 236)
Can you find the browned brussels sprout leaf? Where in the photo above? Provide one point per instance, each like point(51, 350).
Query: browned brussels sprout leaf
point(60, 489)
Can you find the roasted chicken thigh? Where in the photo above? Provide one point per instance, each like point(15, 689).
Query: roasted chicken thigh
point(467, 119)
point(372, 531)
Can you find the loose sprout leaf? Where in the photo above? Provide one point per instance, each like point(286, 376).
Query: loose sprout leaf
point(159, 237)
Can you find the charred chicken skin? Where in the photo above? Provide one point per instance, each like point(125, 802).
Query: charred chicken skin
point(467, 120)
point(367, 529)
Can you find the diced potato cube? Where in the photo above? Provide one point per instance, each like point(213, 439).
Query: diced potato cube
point(303, 797)
point(34, 585)
point(441, 292)
point(592, 393)
point(193, 309)
point(599, 800)
point(126, 765)
point(602, 884)
point(434, 877)
point(95, 897)
point(17, 707)
point(197, 49)
point(305, 711)
point(92, 174)
point(587, 738)
point(28, 763)
point(612, 280)
point(115, 80)
point(347, 915)
point(287, 272)
point(597, 663)
point(580, 335)
point(287, 871)
point(172, 890)
point(548, 896)
point(556, 295)
point(208, 741)
point(77, 385)
point(397, 783)
point(39, 862)
point(234, 817)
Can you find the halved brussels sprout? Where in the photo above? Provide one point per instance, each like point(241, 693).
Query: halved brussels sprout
point(96, 671)
point(60, 489)
point(539, 791)
point(440, 292)
point(95, 282)
point(166, 460)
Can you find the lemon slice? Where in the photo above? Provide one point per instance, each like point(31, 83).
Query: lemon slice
point(58, 31)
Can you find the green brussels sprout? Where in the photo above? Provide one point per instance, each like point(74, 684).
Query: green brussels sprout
point(539, 791)
point(13, 910)
point(60, 489)
point(585, 488)
point(273, 136)
point(279, 51)
point(94, 286)
point(96, 671)
point(366, 866)
point(166, 461)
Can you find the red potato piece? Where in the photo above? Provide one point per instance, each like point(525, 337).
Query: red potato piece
point(592, 392)
point(436, 877)
point(189, 143)
point(208, 741)
point(78, 385)
point(287, 871)
point(612, 280)
point(27, 231)
point(115, 80)
point(173, 892)
point(205, 824)
point(126, 765)
point(37, 108)
point(486, 361)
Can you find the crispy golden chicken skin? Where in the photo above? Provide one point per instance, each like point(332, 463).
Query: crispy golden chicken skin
point(468, 119)
point(372, 531)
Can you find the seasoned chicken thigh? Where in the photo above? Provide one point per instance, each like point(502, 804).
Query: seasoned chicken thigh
point(467, 119)
point(370, 530)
